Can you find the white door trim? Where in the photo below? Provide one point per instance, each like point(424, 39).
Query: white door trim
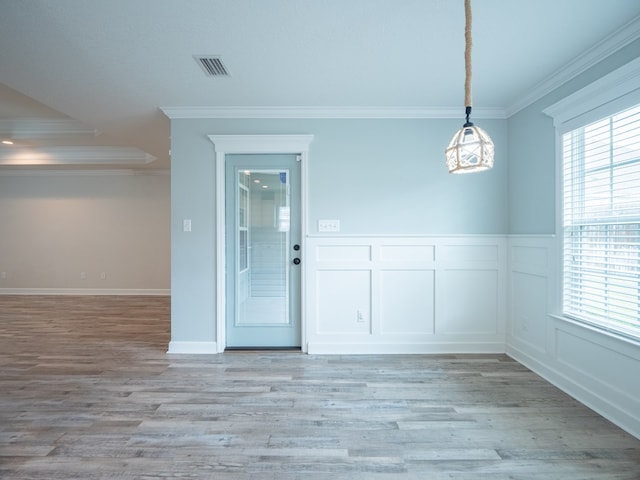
point(258, 144)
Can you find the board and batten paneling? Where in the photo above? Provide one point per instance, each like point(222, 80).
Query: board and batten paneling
point(597, 368)
point(405, 294)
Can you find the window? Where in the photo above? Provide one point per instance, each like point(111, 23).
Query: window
point(243, 220)
point(601, 222)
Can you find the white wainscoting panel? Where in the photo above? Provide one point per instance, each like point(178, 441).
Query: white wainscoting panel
point(595, 367)
point(407, 253)
point(406, 294)
point(529, 310)
point(343, 299)
point(407, 302)
point(465, 254)
point(472, 302)
point(340, 253)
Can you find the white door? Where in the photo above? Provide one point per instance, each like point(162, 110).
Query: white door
point(263, 244)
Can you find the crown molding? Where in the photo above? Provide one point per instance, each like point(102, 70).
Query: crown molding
point(74, 156)
point(601, 50)
point(22, 128)
point(329, 112)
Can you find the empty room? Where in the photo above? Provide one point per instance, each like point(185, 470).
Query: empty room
point(302, 239)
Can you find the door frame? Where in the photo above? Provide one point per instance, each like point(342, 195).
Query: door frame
point(255, 144)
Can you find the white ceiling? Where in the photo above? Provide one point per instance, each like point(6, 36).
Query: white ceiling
point(87, 73)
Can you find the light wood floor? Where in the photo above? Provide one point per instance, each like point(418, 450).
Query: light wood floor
point(88, 392)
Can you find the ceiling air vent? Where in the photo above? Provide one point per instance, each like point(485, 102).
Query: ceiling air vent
point(212, 66)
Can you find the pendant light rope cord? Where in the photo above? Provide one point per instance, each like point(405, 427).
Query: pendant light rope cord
point(471, 148)
point(467, 53)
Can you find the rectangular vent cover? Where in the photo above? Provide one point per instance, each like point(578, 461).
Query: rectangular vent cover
point(212, 66)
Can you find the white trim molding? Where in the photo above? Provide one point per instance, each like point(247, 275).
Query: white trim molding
point(18, 156)
point(230, 144)
point(330, 112)
point(46, 172)
point(605, 96)
point(33, 127)
point(192, 348)
point(87, 291)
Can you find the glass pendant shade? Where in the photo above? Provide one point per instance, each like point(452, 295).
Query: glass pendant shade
point(470, 150)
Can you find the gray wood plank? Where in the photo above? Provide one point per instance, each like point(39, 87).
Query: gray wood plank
point(87, 391)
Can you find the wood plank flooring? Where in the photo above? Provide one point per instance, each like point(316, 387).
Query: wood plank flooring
point(88, 392)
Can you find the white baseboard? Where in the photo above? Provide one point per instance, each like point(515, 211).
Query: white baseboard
point(606, 407)
point(85, 291)
point(192, 348)
point(402, 348)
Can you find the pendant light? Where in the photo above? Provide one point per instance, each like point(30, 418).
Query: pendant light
point(471, 148)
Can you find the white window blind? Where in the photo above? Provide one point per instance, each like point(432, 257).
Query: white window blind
point(601, 222)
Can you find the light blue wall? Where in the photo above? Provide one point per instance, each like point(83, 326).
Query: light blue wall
point(192, 254)
point(389, 177)
point(532, 152)
point(375, 176)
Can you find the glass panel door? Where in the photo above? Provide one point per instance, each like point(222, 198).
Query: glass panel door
point(263, 241)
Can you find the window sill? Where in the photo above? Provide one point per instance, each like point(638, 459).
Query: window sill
point(628, 339)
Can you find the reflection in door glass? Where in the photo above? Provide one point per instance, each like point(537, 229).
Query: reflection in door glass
point(263, 222)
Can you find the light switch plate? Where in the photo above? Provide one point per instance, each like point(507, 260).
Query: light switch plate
point(328, 226)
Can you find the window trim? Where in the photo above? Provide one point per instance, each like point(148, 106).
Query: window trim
point(616, 91)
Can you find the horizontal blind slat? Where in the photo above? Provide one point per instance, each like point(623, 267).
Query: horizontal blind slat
point(601, 222)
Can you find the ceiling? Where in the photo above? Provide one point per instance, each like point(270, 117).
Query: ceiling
point(83, 83)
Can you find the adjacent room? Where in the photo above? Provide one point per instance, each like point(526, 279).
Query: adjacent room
point(291, 239)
